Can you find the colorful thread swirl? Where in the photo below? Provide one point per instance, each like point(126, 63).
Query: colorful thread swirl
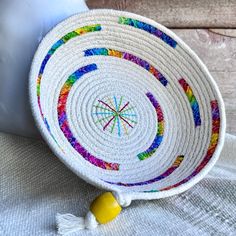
point(148, 28)
point(129, 57)
point(52, 50)
point(169, 171)
point(192, 100)
point(160, 129)
point(211, 148)
point(64, 125)
point(62, 117)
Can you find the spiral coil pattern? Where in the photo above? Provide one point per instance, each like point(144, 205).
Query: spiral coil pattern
point(125, 103)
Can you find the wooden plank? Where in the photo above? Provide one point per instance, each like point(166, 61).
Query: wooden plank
point(178, 13)
point(217, 51)
point(225, 32)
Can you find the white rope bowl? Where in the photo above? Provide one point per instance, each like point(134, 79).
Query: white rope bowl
point(126, 104)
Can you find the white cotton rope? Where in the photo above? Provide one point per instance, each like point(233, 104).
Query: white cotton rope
point(127, 106)
point(68, 223)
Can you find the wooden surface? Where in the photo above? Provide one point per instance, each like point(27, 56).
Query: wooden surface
point(206, 26)
point(178, 13)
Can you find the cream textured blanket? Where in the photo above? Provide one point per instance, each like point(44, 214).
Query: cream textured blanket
point(35, 185)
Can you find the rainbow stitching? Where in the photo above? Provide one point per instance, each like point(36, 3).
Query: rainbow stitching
point(52, 50)
point(192, 100)
point(129, 57)
point(211, 148)
point(160, 130)
point(64, 125)
point(148, 28)
point(169, 171)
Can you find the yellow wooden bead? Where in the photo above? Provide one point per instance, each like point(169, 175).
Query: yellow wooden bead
point(105, 208)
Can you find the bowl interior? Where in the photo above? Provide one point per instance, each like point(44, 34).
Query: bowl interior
point(125, 103)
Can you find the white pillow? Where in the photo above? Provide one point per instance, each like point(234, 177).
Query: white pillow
point(22, 26)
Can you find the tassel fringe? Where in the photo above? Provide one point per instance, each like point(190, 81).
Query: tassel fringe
point(68, 223)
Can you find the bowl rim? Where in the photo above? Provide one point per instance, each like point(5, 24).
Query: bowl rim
point(96, 181)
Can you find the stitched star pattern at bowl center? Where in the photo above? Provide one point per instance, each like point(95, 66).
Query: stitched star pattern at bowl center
point(115, 115)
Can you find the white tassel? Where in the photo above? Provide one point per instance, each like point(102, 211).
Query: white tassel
point(68, 223)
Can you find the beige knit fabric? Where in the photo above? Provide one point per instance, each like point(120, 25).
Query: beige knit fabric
point(35, 185)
